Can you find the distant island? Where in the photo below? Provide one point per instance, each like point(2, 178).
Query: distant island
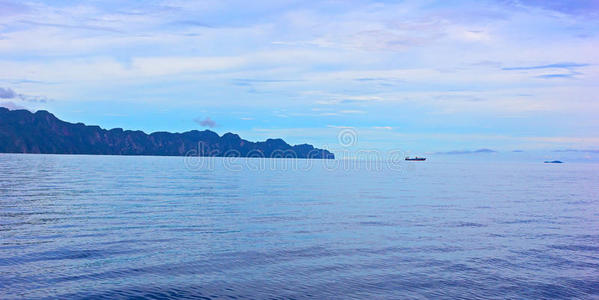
point(22, 131)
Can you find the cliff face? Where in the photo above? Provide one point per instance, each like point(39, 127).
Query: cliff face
point(24, 132)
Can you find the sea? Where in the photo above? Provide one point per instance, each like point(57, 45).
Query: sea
point(123, 227)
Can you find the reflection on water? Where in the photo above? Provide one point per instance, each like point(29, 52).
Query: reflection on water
point(117, 227)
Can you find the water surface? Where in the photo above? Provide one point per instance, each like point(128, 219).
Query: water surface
point(164, 227)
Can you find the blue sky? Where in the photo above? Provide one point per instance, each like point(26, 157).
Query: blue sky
point(423, 76)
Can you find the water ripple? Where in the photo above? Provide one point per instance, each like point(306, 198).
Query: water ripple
point(102, 227)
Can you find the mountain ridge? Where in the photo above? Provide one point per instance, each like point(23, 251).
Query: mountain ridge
point(22, 131)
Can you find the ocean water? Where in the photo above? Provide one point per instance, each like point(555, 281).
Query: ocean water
point(119, 227)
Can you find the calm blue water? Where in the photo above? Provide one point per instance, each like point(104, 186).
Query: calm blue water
point(160, 227)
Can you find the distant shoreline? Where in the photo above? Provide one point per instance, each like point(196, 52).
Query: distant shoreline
point(22, 131)
point(152, 155)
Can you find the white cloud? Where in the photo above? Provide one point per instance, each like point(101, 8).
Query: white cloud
point(358, 61)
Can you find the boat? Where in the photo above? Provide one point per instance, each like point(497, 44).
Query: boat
point(554, 162)
point(416, 158)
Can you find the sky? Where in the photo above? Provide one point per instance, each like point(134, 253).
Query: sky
point(417, 75)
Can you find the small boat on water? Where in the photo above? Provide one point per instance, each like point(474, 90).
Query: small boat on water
point(554, 162)
point(416, 158)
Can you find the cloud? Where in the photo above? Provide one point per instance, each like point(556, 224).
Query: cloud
point(189, 23)
point(11, 8)
point(418, 76)
point(11, 106)
point(352, 111)
point(383, 127)
point(76, 27)
point(588, 8)
point(569, 66)
point(7, 93)
point(550, 76)
point(28, 98)
point(458, 97)
point(484, 150)
point(250, 80)
point(565, 65)
point(206, 122)
point(578, 150)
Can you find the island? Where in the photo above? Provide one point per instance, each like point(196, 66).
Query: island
point(22, 131)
